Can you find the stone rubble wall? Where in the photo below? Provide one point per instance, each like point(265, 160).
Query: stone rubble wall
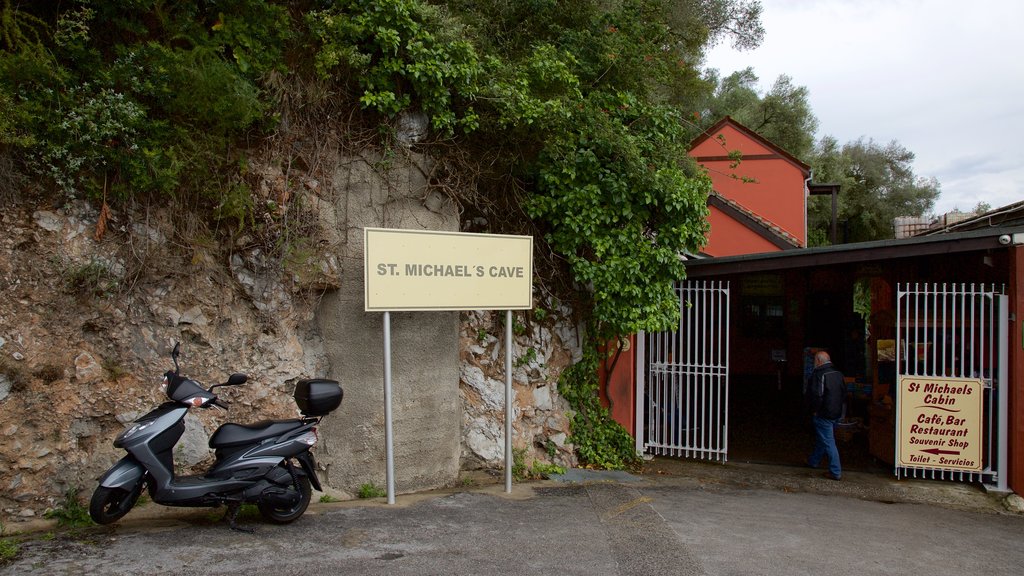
point(540, 422)
point(77, 365)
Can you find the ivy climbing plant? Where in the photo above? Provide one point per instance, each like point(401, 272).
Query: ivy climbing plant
point(600, 441)
point(622, 210)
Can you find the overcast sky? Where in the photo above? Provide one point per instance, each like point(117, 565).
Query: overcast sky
point(944, 78)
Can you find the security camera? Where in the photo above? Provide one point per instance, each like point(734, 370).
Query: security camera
point(1005, 239)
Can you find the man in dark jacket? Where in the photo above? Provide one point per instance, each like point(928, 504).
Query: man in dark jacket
point(824, 393)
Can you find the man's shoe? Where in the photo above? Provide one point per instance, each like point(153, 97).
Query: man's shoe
point(831, 476)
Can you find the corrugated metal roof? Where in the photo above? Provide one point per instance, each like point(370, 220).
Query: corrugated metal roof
point(1009, 215)
point(949, 243)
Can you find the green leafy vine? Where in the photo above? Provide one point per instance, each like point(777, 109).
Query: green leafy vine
point(600, 441)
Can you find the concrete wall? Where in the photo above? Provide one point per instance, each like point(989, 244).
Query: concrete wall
point(426, 407)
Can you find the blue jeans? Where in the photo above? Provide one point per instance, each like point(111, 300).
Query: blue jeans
point(825, 445)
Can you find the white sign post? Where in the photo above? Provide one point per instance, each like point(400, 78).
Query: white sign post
point(421, 270)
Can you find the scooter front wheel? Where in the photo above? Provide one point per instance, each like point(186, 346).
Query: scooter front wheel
point(285, 515)
point(110, 504)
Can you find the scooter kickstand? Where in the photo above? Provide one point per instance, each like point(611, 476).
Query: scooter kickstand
point(232, 514)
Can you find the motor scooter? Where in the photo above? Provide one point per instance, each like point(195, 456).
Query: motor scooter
point(267, 463)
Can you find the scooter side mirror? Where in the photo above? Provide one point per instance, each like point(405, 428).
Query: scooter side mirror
point(174, 356)
point(233, 380)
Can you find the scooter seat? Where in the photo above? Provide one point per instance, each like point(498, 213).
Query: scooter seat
point(231, 435)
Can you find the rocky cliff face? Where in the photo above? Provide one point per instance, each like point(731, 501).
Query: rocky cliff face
point(85, 332)
point(87, 322)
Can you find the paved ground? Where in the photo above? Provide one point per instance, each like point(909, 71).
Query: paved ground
point(679, 518)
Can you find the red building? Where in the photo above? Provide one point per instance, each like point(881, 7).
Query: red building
point(759, 198)
point(727, 383)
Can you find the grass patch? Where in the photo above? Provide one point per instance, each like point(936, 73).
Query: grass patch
point(49, 373)
point(327, 499)
point(113, 368)
point(519, 464)
point(8, 550)
point(536, 471)
point(93, 278)
point(371, 490)
point(541, 470)
point(15, 373)
point(249, 512)
point(245, 512)
point(70, 513)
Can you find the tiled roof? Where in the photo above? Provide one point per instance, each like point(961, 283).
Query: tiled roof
point(756, 220)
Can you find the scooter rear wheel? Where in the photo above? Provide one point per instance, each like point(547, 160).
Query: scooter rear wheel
point(281, 515)
point(110, 504)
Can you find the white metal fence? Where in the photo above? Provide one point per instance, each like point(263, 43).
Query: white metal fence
point(683, 378)
point(958, 331)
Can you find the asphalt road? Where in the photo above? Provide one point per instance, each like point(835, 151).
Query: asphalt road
point(700, 520)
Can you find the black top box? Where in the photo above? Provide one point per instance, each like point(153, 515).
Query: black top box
point(317, 396)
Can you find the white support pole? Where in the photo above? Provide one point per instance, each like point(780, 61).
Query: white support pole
point(388, 444)
point(1003, 397)
point(638, 397)
point(508, 401)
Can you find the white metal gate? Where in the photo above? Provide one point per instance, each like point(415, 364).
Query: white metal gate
point(958, 331)
point(683, 378)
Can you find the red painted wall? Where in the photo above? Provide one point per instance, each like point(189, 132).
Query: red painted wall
point(619, 388)
point(775, 193)
point(730, 238)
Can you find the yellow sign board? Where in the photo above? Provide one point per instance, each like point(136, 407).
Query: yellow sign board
point(430, 270)
point(940, 423)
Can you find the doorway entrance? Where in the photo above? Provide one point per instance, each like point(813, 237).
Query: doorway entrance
point(697, 403)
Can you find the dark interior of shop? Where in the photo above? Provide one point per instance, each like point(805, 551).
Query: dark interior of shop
point(767, 425)
point(767, 422)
